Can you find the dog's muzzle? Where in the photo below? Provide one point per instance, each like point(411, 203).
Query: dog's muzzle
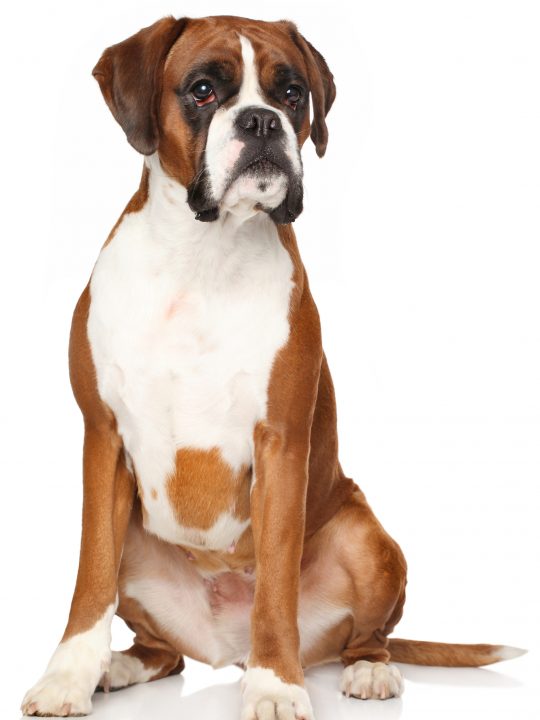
point(263, 159)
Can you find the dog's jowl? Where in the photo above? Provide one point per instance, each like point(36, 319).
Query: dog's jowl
point(217, 520)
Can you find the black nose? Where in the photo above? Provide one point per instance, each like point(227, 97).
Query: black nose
point(260, 122)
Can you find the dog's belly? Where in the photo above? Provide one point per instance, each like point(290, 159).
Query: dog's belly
point(203, 615)
point(200, 603)
point(183, 339)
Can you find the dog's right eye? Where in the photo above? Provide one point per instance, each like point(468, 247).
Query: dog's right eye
point(203, 93)
point(292, 96)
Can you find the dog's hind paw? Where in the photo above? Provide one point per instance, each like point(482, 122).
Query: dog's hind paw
point(367, 680)
point(125, 670)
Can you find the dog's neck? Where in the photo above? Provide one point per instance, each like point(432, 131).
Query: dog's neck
point(171, 218)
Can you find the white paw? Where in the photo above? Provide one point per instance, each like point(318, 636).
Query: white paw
point(366, 680)
point(125, 670)
point(266, 697)
point(58, 694)
point(73, 672)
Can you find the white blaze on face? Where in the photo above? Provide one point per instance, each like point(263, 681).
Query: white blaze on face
point(250, 91)
point(224, 147)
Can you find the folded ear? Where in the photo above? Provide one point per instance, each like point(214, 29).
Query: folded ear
point(323, 90)
point(130, 75)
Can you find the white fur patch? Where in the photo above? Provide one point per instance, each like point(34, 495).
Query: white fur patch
point(250, 91)
point(127, 670)
point(184, 324)
point(315, 618)
point(367, 680)
point(223, 534)
point(73, 673)
point(223, 147)
point(182, 609)
point(266, 697)
point(239, 198)
point(507, 652)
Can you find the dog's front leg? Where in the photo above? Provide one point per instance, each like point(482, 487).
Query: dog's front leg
point(273, 685)
point(83, 654)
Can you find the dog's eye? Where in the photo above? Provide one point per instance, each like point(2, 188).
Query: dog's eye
point(292, 96)
point(203, 93)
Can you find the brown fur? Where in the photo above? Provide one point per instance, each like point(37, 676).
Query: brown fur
point(444, 654)
point(108, 488)
point(130, 75)
point(204, 486)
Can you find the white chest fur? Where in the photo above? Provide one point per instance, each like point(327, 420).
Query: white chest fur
point(185, 321)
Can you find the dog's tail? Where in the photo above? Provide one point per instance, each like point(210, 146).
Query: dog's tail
point(415, 652)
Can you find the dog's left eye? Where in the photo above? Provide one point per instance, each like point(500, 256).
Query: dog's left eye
point(203, 93)
point(292, 96)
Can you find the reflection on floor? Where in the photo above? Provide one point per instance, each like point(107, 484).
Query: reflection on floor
point(203, 693)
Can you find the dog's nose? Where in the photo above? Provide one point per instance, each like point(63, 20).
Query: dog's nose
point(259, 121)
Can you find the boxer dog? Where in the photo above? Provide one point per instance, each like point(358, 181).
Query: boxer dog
point(217, 520)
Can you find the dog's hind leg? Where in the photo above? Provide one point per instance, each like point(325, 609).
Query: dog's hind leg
point(378, 572)
point(153, 654)
point(367, 672)
point(365, 574)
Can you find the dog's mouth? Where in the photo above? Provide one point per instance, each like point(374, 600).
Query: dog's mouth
point(262, 167)
point(264, 181)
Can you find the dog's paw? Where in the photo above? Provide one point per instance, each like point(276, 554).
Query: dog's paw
point(366, 680)
point(266, 697)
point(125, 670)
point(58, 694)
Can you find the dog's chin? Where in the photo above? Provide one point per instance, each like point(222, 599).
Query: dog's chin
point(260, 187)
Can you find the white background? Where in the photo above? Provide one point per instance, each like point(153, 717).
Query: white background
point(421, 238)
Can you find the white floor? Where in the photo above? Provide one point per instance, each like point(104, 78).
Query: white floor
point(200, 693)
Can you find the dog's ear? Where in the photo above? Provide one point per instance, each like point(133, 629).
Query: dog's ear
point(323, 90)
point(130, 74)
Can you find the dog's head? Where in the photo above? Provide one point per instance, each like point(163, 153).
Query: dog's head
point(224, 101)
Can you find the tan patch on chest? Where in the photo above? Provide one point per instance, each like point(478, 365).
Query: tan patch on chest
point(204, 486)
